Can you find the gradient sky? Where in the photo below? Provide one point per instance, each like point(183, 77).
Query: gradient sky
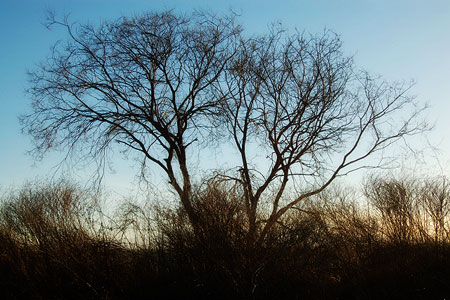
point(398, 39)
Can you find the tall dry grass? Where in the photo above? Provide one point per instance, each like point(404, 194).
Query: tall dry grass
point(57, 242)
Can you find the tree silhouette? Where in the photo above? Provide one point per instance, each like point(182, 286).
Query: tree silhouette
point(143, 82)
point(160, 83)
point(312, 115)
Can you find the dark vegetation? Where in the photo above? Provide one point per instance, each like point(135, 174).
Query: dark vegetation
point(164, 89)
point(57, 243)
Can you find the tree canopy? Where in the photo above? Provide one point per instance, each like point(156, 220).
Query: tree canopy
point(161, 84)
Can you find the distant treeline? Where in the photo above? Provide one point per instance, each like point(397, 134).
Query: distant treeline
point(57, 242)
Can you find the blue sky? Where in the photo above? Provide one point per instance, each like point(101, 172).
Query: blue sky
point(398, 39)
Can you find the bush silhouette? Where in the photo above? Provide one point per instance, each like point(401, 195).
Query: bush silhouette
point(58, 243)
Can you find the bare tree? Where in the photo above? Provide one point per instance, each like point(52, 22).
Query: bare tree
point(435, 201)
point(159, 83)
point(301, 102)
point(397, 202)
point(143, 82)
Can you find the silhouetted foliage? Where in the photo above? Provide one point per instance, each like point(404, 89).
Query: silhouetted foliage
point(56, 242)
point(164, 85)
point(298, 113)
